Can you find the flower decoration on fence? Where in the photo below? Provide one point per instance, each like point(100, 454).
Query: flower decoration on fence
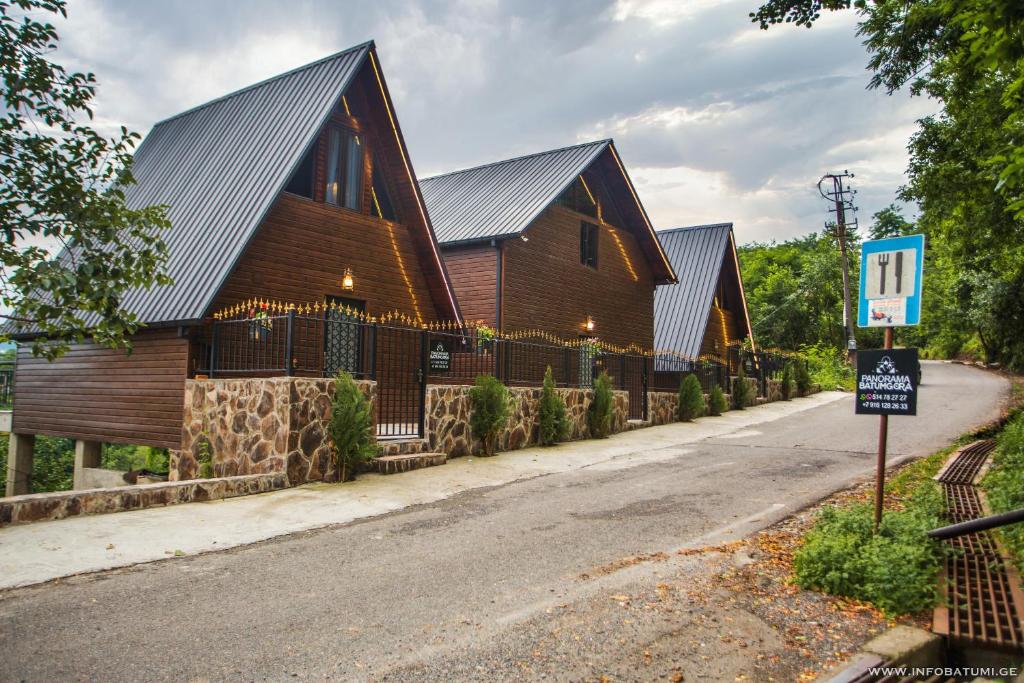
point(260, 322)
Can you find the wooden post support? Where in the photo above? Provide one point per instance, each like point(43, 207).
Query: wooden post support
point(883, 437)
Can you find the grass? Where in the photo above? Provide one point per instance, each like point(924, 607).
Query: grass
point(1004, 483)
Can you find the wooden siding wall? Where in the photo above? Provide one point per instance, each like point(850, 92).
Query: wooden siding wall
point(100, 394)
point(303, 247)
point(726, 324)
point(473, 270)
point(546, 286)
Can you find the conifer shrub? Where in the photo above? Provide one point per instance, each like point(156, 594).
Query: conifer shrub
point(490, 408)
point(350, 427)
point(691, 398)
point(599, 414)
point(553, 422)
point(802, 377)
point(718, 403)
point(742, 392)
point(787, 385)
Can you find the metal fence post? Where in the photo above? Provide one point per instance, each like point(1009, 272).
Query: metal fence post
point(373, 350)
point(213, 350)
point(289, 365)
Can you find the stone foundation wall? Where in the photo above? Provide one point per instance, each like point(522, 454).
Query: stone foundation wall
point(662, 407)
point(60, 504)
point(447, 418)
point(260, 425)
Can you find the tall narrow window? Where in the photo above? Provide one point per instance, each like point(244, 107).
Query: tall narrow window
point(588, 244)
point(301, 182)
point(382, 205)
point(344, 169)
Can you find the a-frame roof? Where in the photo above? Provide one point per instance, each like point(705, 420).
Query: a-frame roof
point(221, 166)
point(681, 311)
point(502, 199)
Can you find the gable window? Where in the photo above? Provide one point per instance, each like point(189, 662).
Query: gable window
point(344, 169)
point(588, 244)
point(301, 182)
point(577, 197)
point(382, 204)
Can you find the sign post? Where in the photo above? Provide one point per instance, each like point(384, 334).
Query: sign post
point(890, 296)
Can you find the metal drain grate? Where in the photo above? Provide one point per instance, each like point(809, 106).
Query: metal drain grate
point(963, 467)
point(962, 502)
point(981, 604)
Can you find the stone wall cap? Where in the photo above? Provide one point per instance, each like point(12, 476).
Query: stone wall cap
point(131, 488)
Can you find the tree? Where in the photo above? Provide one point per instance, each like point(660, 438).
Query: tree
point(599, 414)
point(787, 385)
point(491, 408)
point(350, 427)
point(63, 183)
point(889, 222)
point(553, 423)
point(691, 398)
point(718, 403)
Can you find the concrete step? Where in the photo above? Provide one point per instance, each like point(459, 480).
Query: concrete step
point(393, 464)
point(401, 446)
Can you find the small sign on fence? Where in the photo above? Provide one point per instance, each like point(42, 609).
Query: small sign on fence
point(887, 382)
point(440, 359)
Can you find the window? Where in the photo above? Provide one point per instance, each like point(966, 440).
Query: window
point(344, 169)
point(301, 182)
point(382, 205)
point(578, 198)
point(588, 244)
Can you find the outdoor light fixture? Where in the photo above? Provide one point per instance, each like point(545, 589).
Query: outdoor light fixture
point(590, 324)
point(347, 281)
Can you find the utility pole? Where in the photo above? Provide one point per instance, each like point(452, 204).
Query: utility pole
point(840, 194)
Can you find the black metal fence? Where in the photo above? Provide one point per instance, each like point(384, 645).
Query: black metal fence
point(403, 360)
point(6, 384)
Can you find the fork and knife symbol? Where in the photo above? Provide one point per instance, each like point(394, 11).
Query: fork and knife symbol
point(883, 264)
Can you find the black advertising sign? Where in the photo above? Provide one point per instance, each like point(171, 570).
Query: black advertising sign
point(887, 382)
point(440, 355)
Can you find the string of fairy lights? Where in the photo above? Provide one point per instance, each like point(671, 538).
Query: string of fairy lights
point(257, 309)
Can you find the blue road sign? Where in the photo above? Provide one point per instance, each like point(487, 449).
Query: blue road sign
point(890, 282)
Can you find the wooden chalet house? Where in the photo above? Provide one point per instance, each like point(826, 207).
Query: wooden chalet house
point(295, 189)
point(705, 314)
point(556, 241)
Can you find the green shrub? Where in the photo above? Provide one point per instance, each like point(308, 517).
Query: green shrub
point(742, 391)
point(827, 367)
point(490, 409)
point(718, 404)
point(350, 428)
point(599, 414)
point(554, 424)
point(691, 398)
point(894, 569)
point(802, 377)
point(1004, 483)
point(787, 384)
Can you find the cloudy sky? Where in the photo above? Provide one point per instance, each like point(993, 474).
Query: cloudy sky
point(715, 119)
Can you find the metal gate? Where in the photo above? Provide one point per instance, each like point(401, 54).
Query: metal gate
point(401, 381)
point(633, 371)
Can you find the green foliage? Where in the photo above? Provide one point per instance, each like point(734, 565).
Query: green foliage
point(894, 569)
point(599, 414)
point(124, 457)
point(205, 458)
point(1004, 483)
point(827, 367)
point(742, 391)
point(691, 398)
point(554, 424)
point(64, 181)
point(491, 406)
point(787, 385)
point(802, 377)
point(351, 427)
point(53, 465)
point(717, 403)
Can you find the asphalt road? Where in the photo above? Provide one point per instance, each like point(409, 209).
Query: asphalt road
point(460, 588)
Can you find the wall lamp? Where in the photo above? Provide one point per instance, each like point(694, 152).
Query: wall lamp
point(348, 283)
point(589, 324)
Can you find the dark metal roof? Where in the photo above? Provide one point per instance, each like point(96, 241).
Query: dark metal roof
point(503, 198)
point(219, 167)
point(681, 310)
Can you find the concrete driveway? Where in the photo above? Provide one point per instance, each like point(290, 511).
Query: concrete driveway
point(457, 587)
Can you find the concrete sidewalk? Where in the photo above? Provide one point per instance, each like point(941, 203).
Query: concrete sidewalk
point(34, 553)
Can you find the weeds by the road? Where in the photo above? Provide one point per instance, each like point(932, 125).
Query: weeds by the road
point(1004, 484)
